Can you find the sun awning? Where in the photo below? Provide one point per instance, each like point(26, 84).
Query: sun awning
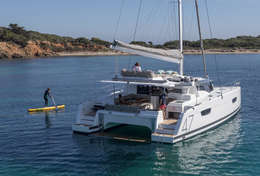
point(174, 56)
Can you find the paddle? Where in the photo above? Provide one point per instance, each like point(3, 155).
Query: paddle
point(53, 101)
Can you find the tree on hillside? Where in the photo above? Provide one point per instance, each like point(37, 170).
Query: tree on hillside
point(100, 42)
point(17, 29)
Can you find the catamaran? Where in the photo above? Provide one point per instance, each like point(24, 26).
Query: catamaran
point(192, 105)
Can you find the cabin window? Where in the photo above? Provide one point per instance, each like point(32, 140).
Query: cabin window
point(156, 91)
point(179, 91)
point(147, 90)
point(205, 112)
point(202, 88)
point(234, 100)
point(173, 115)
point(143, 90)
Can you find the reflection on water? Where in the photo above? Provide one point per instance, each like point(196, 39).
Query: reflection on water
point(47, 120)
point(194, 156)
point(47, 116)
point(213, 148)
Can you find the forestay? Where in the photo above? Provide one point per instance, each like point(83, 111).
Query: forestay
point(174, 56)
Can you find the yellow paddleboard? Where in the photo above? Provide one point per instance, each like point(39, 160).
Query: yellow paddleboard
point(47, 108)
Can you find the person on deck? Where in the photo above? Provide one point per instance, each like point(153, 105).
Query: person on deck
point(120, 99)
point(46, 95)
point(163, 102)
point(137, 67)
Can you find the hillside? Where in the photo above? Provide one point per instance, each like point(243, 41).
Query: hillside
point(16, 42)
point(240, 44)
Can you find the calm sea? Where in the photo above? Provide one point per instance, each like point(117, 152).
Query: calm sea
point(43, 143)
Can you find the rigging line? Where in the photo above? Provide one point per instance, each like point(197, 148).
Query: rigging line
point(116, 30)
point(171, 21)
point(168, 26)
point(164, 25)
point(158, 33)
point(149, 21)
point(190, 29)
point(211, 36)
point(137, 20)
point(119, 18)
point(175, 20)
point(171, 16)
point(136, 26)
point(201, 40)
point(163, 28)
point(207, 11)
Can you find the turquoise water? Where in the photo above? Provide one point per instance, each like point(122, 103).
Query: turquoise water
point(43, 143)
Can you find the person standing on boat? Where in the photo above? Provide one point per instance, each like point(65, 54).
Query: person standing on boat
point(46, 95)
point(137, 67)
point(162, 100)
point(121, 99)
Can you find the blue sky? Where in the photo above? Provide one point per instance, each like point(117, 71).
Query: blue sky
point(97, 18)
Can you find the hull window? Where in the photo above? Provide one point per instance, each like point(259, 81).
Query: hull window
point(234, 100)
point(205, 112)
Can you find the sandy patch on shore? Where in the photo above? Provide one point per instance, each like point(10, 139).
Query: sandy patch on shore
point(91, 53)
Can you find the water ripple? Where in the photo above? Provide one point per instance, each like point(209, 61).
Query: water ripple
point(43, 143)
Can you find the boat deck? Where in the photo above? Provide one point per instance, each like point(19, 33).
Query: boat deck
point(163, 135)
point(169, 122)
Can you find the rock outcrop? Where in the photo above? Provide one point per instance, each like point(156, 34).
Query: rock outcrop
point(42, 48)
point(32, 49)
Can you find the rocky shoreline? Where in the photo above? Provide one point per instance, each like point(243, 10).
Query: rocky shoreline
point(188, 52)
point(91, 53)
point(34, 49)
point(224, 51)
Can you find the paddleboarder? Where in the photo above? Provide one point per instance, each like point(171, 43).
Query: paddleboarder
point(46, 95)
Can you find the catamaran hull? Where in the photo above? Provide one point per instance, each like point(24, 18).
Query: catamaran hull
point(215, 110)
point(180, 138)
point(85, 129)
point(203, 117)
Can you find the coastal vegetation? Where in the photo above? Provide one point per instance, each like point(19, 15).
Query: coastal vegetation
point(17, 42)
point(240, 42)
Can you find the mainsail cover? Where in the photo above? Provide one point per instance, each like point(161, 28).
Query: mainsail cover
point(174, 56)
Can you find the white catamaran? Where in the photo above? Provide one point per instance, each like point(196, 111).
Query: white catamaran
point(192, 105)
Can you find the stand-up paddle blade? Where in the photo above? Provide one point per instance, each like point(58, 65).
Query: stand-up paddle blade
point(53, 101)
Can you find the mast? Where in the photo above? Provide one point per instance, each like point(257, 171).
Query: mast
point(201, 41)
point(180, 34)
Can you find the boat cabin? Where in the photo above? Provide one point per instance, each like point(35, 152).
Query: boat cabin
point(149, 90)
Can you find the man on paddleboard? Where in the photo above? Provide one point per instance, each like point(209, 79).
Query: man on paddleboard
point(46, 95)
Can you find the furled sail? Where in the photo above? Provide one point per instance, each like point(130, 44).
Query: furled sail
point(174, 56)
